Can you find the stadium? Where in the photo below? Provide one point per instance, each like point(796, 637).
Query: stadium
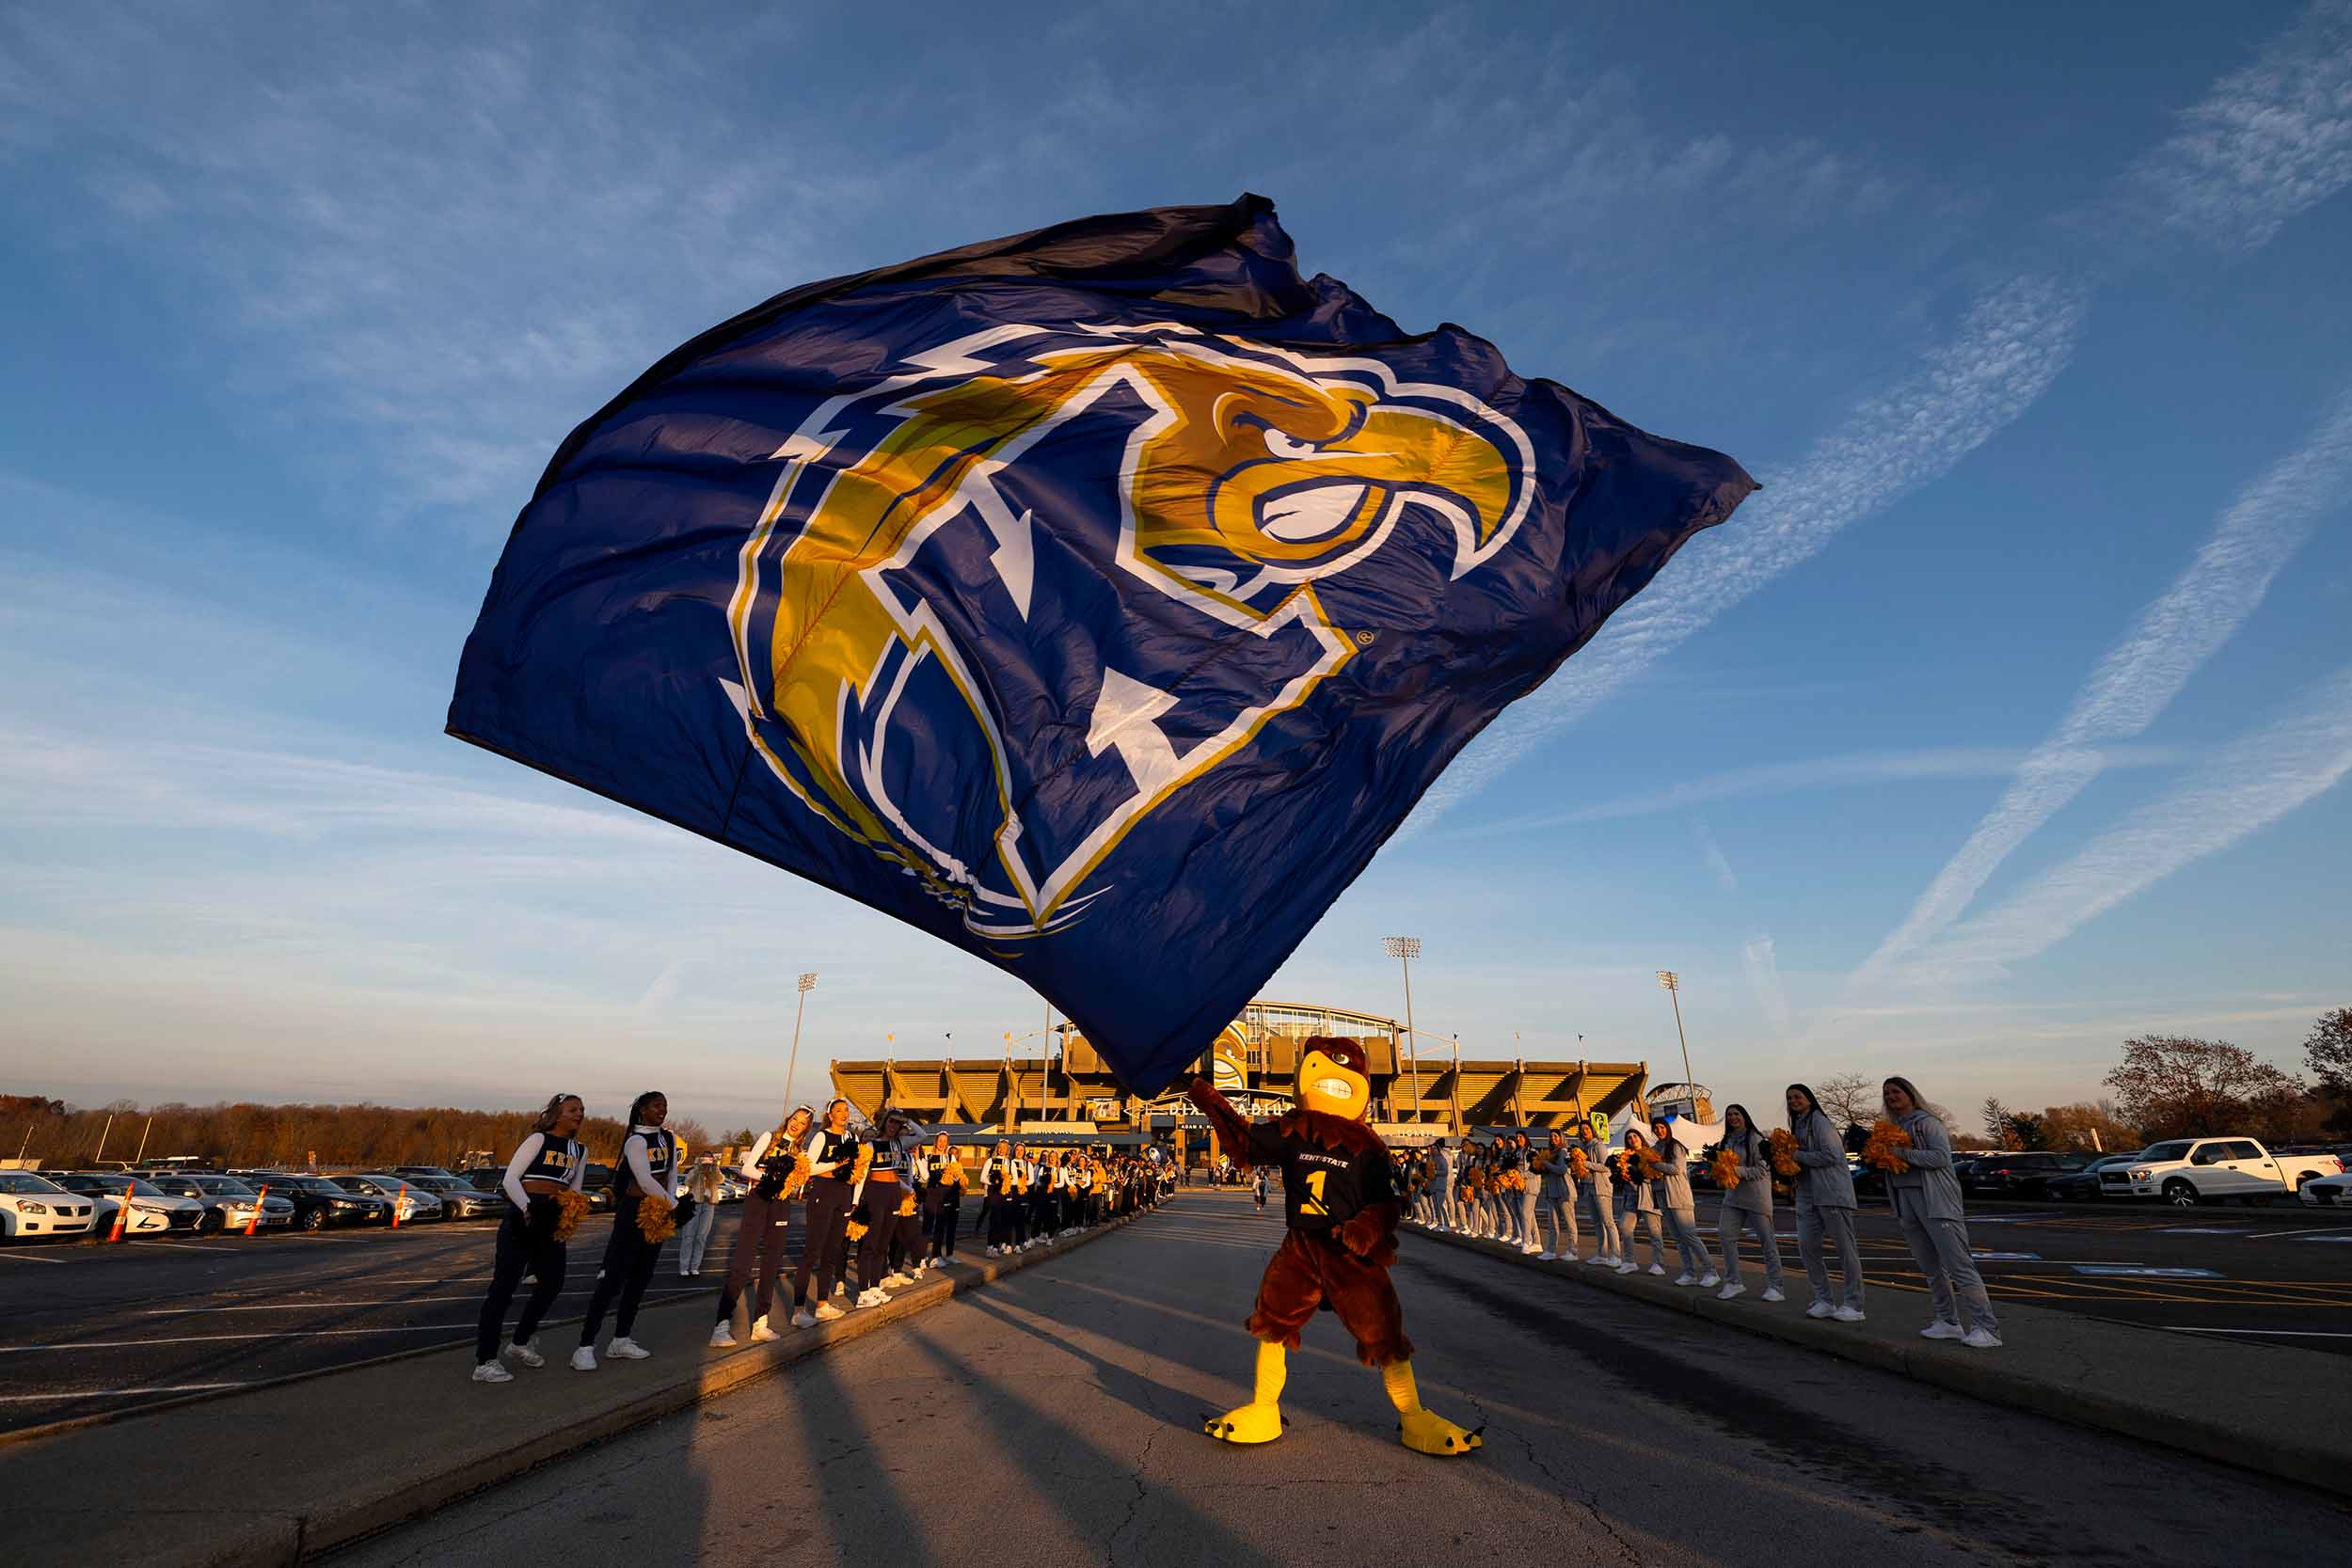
point(1069, 1092)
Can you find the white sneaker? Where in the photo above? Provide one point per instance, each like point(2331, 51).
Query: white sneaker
point(524, 1354)
point(1771, 1293)
point(1686, 1277)
point(761, 1332)
point(827, 1311)
point(1545, 1257)
point(894, 1279)
point(1982, 1339)
point(583, 1360)
point(840, 1287)
point(804, 1318)
point(1730, 1291)
point(1850, 1315)
point(992, 1252)
point(1942, 1331)
point(1659, 1269)
point(722, 1336)
point(871, 1297)
point(1708, 1281)
point(1820, 1309)
point(490, 1372)
point(625, 1349)
point(1628, 1268)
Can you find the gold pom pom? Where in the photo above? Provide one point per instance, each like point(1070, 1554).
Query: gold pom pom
point(855, 1231)
point(1580, 1167)
point(906, 1205)
point(1783, 1152)
point(1652, 1166)
point(1725, 1168)
point(1885, 1149)
point(570, 1209)
point(655, 1221)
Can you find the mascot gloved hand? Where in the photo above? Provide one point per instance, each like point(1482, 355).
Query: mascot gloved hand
point(1341, 1211)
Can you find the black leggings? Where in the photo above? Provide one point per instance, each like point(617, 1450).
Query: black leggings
point(629, 1260)
point(944, 1212)
point(880, 1211)
point(759, 1233)
point(826, 1205)
point(516, 1252)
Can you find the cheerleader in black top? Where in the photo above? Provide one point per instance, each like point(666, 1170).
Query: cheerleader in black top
point(647, 1174)
point(832, 1155)
point(547, 1162)
point(760, 1228)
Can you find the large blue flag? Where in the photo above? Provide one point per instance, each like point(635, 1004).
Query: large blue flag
point(1097, 599)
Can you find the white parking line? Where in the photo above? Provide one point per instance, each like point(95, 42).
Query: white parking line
point(208, 1339)
point(28, 1257)
point(114, 1393)
point(196, 1247)
point(400, 1300)
point(2279, 1332)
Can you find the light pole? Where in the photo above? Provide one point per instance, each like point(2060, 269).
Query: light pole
point(1671, 983)
point(1405, 950)
point(808, 983)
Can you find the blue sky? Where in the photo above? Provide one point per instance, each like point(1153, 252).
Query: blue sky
point(2010, 721)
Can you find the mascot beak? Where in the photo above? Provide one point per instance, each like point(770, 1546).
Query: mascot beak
point(1333, 1087)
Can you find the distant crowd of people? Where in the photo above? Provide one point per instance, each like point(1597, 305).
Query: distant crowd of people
point(886, 1199)
point(1638, 1193)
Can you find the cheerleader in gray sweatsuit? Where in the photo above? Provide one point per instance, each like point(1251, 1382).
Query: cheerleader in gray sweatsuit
point(1680, 1212)
point(1927, 1200)
point(1637, 1209)
point(1825, 1207)
point(1557, 1193)
point(1595, 1143)
point(1749, 1205)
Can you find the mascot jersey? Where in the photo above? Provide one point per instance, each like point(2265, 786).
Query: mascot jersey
point(1331, 1172)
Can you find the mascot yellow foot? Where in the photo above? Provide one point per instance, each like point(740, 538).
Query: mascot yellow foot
point(1423, 1431)
point(1261, 1420)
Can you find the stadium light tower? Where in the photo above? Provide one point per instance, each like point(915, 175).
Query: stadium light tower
point(1671, 983)
point(808, 983)
point(1405, 950)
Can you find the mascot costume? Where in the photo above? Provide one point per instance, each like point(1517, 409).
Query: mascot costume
point(1341, 1207)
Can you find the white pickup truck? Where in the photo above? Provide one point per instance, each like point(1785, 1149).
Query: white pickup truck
point(2188, 1171)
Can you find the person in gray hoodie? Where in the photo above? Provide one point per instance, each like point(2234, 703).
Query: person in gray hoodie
point(1749, 1205)
point(1637, 1208)
point(1825, 1207)
point(1680, 1212)
point(1926, 1196)
point(1595, 1143)
point(1557, 1193)
point(1450, 1187)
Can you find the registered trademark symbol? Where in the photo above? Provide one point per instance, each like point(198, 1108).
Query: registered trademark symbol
point(1366, 638)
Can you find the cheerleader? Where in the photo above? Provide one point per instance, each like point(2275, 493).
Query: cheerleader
point(1449, 1186)
point(878, 1203)
point(546, 1162)
point(1594, 1145)
point(771, 1167)
point(1749, 1205)
point(1680, 1212)
point(1825, 1208)
point(1050, 1210)
point(647, 1174)
point(999, 1174)
point(1637, 1207)
point(1927, 1200)
point(829, 1155)
point(941, 1176)
point(1530, 1194)
point(1257, 1187)
point(1556, 1192)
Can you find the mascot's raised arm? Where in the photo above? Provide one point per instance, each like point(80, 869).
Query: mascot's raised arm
point(1340, 1204)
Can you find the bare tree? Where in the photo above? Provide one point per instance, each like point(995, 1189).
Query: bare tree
point(2175, 1086)
point(1851, 1099)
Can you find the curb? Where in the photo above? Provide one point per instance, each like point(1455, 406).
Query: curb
point(2147, 1418)
point(264, 1538)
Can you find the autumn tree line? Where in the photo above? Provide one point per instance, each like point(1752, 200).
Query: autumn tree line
point(244, 1135)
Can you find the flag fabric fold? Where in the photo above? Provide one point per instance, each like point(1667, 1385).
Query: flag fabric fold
point(1097, 599)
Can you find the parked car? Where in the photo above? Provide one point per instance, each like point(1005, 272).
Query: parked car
point(424, 1171)
point(2018, 1173)
point(228, 1203)
point(111, 1189)
point(411, 1203)
point(2326, 1192)
point(2083, 1186)
point(459, 1200)
point(34, 1206)
point(318, 1202)
point(2188, 1171)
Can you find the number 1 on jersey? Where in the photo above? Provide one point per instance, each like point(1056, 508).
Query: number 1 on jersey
point(1315, 1193)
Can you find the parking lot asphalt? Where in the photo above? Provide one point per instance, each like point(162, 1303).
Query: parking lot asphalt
point(2280, 1273)
point(97, 1329)
point(100, 1329)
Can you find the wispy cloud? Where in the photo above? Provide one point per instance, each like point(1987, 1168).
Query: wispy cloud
point(2269, 141)
point(2139, 676)
point(2247, 785)
point(1718, 863)
point(1763, 962)
point(2011, 345)
point(1789, 778)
